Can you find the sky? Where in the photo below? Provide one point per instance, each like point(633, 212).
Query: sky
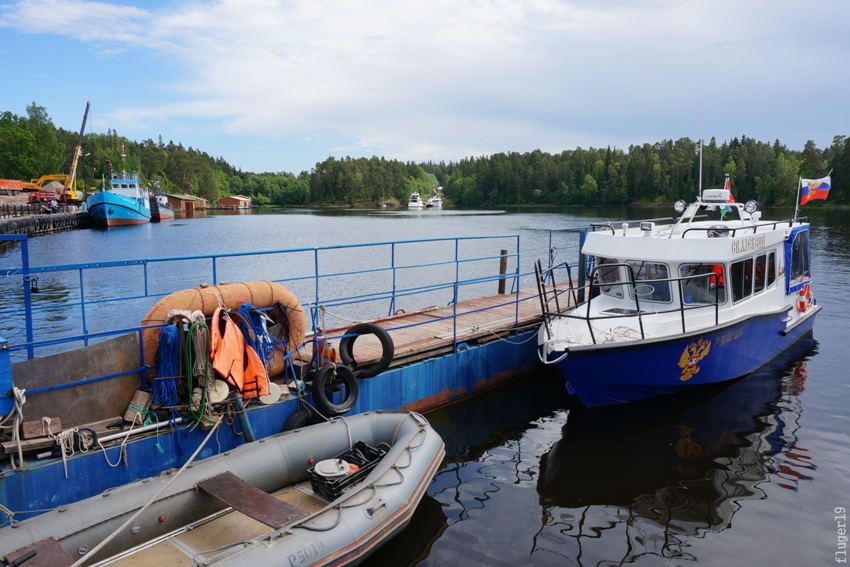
point(279, 86)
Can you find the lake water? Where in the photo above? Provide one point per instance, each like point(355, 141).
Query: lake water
point(753, 473)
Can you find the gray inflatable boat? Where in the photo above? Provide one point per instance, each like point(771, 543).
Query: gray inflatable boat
point(327, 494)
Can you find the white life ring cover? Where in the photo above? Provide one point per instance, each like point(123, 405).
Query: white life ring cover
point(219, 391)
point(273, 395)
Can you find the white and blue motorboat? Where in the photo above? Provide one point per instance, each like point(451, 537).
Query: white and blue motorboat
point(125, 202)
point(661, 306)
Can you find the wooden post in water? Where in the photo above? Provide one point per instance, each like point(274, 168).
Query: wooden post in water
point(503, 266)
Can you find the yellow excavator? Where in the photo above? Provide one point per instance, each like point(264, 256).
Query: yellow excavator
point(69, 181)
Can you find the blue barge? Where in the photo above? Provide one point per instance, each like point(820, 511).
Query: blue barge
point(79, 360)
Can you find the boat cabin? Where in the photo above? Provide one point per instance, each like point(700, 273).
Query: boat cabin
point(647, 266)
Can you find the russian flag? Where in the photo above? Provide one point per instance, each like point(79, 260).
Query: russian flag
point(811, 189)
point(727, 208)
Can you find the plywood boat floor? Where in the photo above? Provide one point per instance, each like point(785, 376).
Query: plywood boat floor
point(232, 526)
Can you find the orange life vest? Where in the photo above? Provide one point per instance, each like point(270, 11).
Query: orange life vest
point(717, 269)
point(233, 359)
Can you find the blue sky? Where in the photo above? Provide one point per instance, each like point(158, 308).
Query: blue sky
point(280, 86)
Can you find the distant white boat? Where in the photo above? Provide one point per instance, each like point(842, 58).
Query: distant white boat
point(434, 202)
point(435, 198)
point(415, 202)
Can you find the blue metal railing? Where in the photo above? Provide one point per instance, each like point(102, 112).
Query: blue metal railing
point(77, 303)
point(408, 281)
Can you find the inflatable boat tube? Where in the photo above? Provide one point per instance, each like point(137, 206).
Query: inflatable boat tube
point(205, 298)
point(346, 349)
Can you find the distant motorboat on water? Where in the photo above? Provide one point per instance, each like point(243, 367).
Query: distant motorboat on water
point(434, 202)
point(415, 202)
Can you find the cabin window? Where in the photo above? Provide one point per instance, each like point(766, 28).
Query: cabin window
point(771, 268)
point(703, 283)
point(765, 271)
point(651, 281)
point(751, 276)
point(758, 279)
point(799, 270)
point(608, 276)
point(742, 279)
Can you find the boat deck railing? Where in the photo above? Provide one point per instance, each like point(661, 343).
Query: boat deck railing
point(562, 298)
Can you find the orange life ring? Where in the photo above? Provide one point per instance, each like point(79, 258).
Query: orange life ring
point(205, 298)
point(804, 298)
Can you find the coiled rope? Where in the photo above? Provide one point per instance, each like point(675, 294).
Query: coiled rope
point(164, 389)
point(17, 418)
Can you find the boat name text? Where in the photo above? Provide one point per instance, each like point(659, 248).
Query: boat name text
point(306, 555)
point(748, 244)
point(729, 337)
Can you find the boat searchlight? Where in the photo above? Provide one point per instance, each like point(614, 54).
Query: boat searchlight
point(680, 206)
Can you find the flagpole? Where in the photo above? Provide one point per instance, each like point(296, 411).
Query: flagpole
point(701, 142)
point(797, 201)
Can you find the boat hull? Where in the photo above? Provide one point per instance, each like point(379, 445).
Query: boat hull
point(618, 373)
point(108, 209)
point(163, 214)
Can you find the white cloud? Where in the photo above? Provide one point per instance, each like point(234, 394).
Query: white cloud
point(448, 79)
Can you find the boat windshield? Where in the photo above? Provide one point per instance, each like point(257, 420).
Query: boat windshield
point(650, 279)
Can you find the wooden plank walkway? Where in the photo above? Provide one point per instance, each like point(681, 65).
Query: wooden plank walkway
point(430, 332)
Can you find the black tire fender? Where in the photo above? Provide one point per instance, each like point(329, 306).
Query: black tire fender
point(332, 374)
point(346, 349)
point(301, 418)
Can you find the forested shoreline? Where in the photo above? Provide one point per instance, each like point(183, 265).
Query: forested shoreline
point(661, 172)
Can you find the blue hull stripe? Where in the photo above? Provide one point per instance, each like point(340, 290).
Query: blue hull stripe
point(623, 373)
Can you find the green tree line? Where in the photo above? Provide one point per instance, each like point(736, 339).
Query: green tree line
point(31, 146)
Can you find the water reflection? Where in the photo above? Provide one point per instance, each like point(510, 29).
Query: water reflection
point(486, 439)
point(629, 482)
point(413, 544)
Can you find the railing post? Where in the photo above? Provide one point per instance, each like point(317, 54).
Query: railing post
point(25, 268)
point(503, 266)
point(582, 266)
point(316, 287)
point(83, 308)
point(393, 266)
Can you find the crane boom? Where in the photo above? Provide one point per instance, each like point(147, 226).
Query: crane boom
point(70, 189)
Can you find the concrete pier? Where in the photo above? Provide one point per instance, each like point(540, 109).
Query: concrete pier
point(33, 225)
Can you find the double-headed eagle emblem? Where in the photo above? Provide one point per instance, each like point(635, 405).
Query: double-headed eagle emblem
point(689, 361)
